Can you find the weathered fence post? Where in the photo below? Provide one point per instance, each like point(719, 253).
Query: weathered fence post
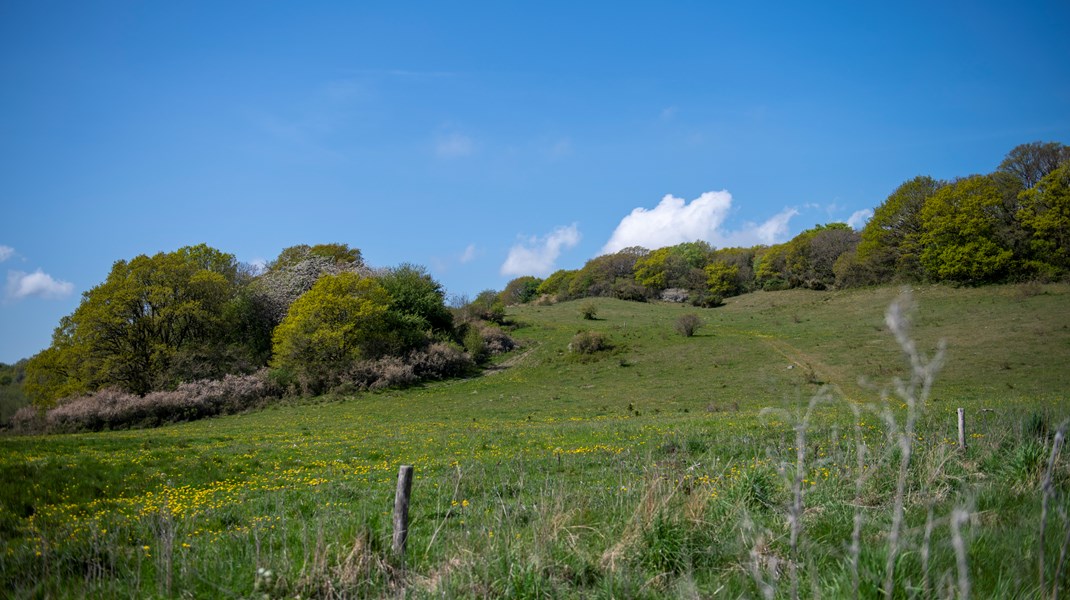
point(962, 429)
point(401, 510)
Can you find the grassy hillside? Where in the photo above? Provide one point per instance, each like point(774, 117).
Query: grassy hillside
point(655, 468)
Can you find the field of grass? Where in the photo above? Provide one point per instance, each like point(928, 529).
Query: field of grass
point(664, 466)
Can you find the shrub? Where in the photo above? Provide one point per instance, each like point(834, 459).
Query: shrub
point(675, 295)
point(589, 311)
point(628, 289)
point(707, 300)
point(474, 344)
point(497, 341)
point(588, 342)
point(688, 324)
point(439, 361)
point(385, 372)
point(112, 408)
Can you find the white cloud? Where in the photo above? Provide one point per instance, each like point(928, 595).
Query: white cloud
point(774, 230)
point(6, 252)
point(469, 254)
point(454, 145)
point(675, 221)
point(23, 285)
point(858, 218)
point(537, 256)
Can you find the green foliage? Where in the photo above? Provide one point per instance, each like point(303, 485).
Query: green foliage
point(557, 284)
point(960, 226)
point(1045, 215)
point(602, 275)
point(722, 279)
point(417, 299)
point(340, 254)
point(487, 307)
point(890, 243)
point(12, 395)
point(674, 266)
point(808, 260)
point(344, 318)
point(589, 311)
point(520, 290)
point(153, 322)
point(743, 261)
point(475, 346)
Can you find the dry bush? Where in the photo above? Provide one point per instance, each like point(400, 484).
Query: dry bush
point(588, 342)
point(497, 341)
point(440, 360)
point(437, 361)
point(389, 371)
point(27, 419)
point(112, 408)
point(688, 324)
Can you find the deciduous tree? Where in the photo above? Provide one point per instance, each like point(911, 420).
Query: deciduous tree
point(344, 318)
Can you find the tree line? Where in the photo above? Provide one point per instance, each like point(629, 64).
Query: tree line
point(1010, 225)
point(317, 316)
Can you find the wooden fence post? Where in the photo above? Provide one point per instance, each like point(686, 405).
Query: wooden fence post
point(401, 510)
point(962, 429)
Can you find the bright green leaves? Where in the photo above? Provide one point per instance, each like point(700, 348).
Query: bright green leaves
point(342, 319)
point(960, 224)
point(722, 279)
point(147, 325)
point(1045, 213)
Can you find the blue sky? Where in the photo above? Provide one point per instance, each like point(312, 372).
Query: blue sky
point(485, 140)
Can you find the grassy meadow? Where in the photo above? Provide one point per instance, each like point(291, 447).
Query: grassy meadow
point(767, 456)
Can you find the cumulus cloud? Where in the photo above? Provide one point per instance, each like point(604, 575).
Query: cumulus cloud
point(24, 285)
point(454, 145)
point(858, 218)
point(538, 255)
point(6, 252)
point(675, 221)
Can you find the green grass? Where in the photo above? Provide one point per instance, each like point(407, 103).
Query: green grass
point(646, 470)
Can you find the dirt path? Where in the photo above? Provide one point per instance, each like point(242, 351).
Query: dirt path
point(512, 361)
point(813, 368)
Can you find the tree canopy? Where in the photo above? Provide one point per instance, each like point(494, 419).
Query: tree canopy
point(154, 320)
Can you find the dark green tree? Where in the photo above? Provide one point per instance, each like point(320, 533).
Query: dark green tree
point(418, 300)
point(889, 247)
point(520, 290)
